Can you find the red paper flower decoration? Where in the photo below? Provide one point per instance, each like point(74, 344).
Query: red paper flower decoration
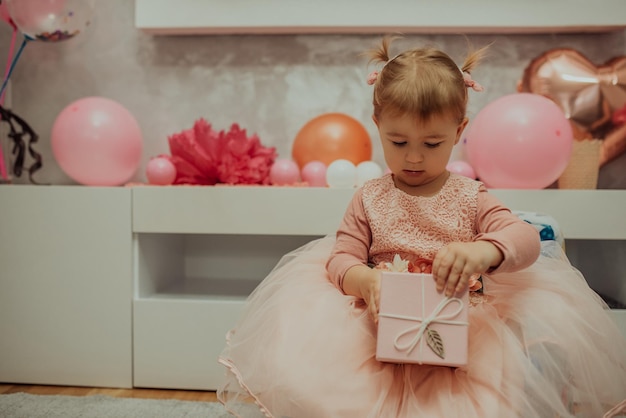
point(424, 266)
point(204, 156)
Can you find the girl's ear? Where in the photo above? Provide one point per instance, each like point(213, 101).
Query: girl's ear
point(375, 120)
point(460, 129)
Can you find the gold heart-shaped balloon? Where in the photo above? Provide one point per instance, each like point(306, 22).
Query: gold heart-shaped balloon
point(587, 94)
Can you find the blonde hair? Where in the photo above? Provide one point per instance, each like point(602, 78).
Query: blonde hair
point(421, 82)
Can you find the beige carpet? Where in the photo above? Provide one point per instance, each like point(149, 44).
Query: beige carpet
point(22, 405)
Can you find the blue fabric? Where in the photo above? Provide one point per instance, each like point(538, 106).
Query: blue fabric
point(546, 225)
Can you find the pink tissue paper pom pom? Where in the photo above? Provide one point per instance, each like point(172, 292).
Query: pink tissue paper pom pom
point(203, 156)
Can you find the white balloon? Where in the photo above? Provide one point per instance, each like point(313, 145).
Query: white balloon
point(341, 174)
point(367, 170)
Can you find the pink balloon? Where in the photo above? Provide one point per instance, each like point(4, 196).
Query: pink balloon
point(314, 173)
point(160, 171)
point(520, 141)
point(97, 142)
point(461, 167)
point(284, 172)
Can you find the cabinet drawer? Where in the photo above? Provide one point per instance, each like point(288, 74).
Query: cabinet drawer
point(177, 342)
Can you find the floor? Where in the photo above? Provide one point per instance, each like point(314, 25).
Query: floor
point(185, 395)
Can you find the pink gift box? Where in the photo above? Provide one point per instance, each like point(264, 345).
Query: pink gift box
point(417, 324)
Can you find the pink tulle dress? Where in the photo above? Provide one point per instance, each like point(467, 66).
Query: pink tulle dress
point(541, 342)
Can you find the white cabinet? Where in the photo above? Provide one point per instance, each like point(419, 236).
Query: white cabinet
point(65, 285)
point(201, 250)
point(190, 291)
point(138, 286)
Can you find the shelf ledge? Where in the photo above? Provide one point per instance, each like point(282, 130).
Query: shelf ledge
point(186, 17)
point(581, 214)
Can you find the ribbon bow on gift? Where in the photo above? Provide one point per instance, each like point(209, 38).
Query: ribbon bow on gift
point(434, 340)
point(587, 94)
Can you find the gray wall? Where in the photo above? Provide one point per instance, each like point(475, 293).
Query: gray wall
point(270, 85)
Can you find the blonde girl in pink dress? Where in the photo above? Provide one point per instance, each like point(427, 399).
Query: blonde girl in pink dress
point(541, 343)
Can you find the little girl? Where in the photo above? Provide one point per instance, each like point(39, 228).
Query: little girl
point(541, 342)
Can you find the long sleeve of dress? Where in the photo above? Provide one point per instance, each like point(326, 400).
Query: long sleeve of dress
point(353, 241)
point(519, 241)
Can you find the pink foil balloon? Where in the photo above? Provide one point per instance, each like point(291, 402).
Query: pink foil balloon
point(284, 172)
point(314, 173)
point(97, 142)
point(160, 171)
point(519, 141)
point(461, 167)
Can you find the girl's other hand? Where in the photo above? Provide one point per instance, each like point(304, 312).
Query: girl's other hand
point(364, 282)
point(455, 263)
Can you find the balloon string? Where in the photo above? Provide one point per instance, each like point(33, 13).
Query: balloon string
point(12, 67)
point(3, 169)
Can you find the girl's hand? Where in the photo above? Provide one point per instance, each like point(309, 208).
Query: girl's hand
point(456, 262)
point(364, 282)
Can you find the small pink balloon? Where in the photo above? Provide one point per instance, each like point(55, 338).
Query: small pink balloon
point(461, 167)
point(160, 171)
point(314, 173)
point(97, 142)
point(284, 172)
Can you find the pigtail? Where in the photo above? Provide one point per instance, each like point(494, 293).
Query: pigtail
point(380, 54)
point(473, 58)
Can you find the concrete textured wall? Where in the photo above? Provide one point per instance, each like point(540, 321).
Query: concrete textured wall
point(270, 85)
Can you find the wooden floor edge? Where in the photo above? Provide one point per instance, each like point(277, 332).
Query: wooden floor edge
point(185, 395)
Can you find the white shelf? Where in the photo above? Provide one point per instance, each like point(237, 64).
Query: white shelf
point(206, 266)
point(239, 210)
point(209, 289)
point(582, 214)
point(370, 16)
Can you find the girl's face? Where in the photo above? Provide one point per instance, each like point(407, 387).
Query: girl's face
point(417, 151)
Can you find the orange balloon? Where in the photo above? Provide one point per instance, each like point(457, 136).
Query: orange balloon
point(330, 137)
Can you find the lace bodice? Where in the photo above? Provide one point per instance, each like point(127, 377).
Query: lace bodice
point(416, 227)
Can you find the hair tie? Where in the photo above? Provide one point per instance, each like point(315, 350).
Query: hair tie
point(371, 78)
point(467, 78)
